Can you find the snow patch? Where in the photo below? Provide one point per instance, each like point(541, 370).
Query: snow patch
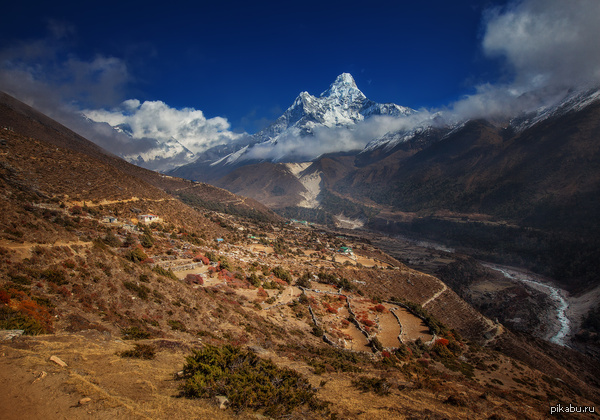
point(231, 158)
point(348, 223)
point(297, 168)
point(311, 182)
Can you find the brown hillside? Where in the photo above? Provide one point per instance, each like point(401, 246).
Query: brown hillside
point(24, 120)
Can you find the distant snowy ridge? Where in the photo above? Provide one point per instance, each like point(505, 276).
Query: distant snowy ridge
point(422, 122)
point(572, 102)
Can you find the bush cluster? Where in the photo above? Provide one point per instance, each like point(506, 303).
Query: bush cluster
point(141, 290)
point(164, 272)
point(246, 380)
point(135, 333)
point(18, 311)
point(140, 351)
point(380, 386)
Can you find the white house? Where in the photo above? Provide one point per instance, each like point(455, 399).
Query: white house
point(148, 218)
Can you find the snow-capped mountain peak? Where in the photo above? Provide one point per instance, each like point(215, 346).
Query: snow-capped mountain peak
point(341, 107)
point(344, 87)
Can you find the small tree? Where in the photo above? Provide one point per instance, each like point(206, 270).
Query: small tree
point(136, 255)
point(147, 241)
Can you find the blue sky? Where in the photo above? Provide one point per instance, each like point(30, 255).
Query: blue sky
point(206, 72)
point(247, 61)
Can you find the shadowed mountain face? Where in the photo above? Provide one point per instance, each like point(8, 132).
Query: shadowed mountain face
point(523, 177)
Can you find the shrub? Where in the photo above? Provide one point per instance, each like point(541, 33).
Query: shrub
point(163, 272)
point(442, 341)
point(330, 359)
point(11, 319)
point(194, 279)
point(140, 351)
point(19, 312)
point(177, 325)
point(456, 400)
point(367, 322)
point(141, 290)
point(147, 241)
point(111, 240)
point(225, 265)
point(135, 333)
point(19, 279)
point(380, 386)
point(304, 281)
point(379, 308)
point(55, 276)
point(136, 255)
point(246, 380)
point(253, 279)
point(283, 274)
point(317, 331)
point(376, 344)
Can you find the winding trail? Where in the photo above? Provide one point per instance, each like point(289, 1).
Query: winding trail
point(436, 295)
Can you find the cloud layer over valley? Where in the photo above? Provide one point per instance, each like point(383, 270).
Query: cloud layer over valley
point(155, 119)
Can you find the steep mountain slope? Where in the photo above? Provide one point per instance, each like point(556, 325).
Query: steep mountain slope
point(533, 176)
point(533, 193)
point(342, 104)
point(20, 118)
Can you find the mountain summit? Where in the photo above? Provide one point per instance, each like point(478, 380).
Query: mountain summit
point(342, 104)
point(310, 127)
point(344, 86)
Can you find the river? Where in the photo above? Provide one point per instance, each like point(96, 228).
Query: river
point(399, 246)
point(555, 294)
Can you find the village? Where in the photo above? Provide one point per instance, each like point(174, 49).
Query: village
point(343, 317)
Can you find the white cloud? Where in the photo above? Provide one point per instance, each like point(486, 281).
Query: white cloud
point(549, 47)
point(155, 119)
point(39, 72)
point(547, 42)
point(48, 76)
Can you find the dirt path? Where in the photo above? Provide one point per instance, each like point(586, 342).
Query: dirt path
point(436, 295)
point(109, 202)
